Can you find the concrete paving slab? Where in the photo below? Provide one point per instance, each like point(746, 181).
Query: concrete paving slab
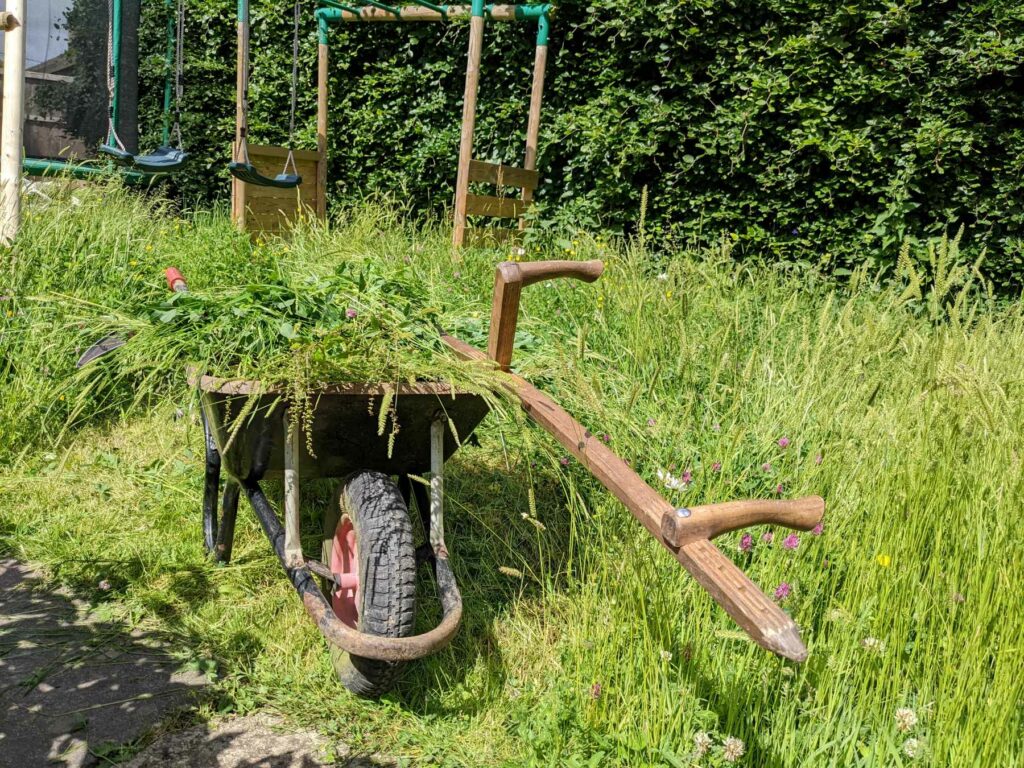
point(72, 685)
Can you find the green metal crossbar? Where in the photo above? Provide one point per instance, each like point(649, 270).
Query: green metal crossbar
point(530, 12)
point(34, 166)
point(383, 6)
point(339, 6)
point(442, 9)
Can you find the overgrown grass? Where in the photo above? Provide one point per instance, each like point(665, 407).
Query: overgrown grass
point(603, 651)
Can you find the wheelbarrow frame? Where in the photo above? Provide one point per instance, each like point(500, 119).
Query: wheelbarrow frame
point(270, 443)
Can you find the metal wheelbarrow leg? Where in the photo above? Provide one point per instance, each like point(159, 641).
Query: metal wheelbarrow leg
point(302, 571)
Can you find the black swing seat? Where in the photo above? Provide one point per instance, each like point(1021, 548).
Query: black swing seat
point(161, 160)
point(246, 172)
point(118, 155)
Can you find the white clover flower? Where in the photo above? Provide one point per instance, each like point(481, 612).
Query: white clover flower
point(733, 749)
point(671, 482)
point(665, 655)
point(906, 719)
point(701, 743)
point(873, 644)
point(912, 748)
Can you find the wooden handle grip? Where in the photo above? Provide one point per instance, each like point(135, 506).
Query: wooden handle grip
point(534, 271)
point(509, 279)
point(705, 522)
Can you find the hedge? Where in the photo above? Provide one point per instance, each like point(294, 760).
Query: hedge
point(804, 129)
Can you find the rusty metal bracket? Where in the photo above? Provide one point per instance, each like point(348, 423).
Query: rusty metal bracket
point(331, 627)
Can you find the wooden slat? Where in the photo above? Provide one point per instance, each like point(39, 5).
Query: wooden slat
point(499, 207)
point(491, 236)
point(275, 193)
point(502, 175)
point(265, 150)
point(276, 205)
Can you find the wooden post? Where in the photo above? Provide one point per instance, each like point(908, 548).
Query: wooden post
point(238, 202)
point(536, 96)
point(12, 136)
point(321, 129)
point(476, 41)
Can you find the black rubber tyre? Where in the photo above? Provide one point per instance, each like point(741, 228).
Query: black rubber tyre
point(387, 573)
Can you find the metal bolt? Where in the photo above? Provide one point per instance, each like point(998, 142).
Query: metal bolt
point(682, 512)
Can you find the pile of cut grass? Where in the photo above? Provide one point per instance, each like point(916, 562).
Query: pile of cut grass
point(583, 643)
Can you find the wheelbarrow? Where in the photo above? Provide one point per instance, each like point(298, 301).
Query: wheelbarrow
point(368, 563)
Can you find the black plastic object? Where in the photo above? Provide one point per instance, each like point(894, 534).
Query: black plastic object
point(247, 172)
point(161, 160)
point(119, 156)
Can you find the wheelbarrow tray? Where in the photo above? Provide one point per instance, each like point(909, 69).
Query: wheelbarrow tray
point(344, 430)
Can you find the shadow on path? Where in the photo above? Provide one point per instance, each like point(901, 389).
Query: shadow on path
point(74, 688)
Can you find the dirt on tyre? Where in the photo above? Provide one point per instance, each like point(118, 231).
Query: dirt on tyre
point(368, 540)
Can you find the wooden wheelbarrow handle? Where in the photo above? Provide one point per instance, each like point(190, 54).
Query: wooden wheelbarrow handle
point(690, 543)
point(509, 280)
point(710, 520)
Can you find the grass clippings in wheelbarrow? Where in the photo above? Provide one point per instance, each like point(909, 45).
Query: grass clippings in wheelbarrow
point(364, 321)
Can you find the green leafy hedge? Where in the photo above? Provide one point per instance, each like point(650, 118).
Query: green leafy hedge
point(800, 127)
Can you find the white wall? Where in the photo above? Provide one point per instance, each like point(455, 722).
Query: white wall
point(45, 40)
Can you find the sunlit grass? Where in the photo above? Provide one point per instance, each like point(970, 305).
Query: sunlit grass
point(604, 652)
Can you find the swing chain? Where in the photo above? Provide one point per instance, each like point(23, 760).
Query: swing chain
point(179, 71)
point(290, 160)
point(111, 80)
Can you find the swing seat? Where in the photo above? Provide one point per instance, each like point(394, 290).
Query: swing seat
point(246, 172)
point(117, 154)
point(161, 160)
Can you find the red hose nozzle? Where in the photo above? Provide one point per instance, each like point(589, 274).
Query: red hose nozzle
point(176, 280)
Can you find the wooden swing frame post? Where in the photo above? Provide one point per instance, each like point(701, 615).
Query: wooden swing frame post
point(323, 62)
point(540, 63)
point(335, 12)
point(238, 201)
point(476, 44)
point(12, 21)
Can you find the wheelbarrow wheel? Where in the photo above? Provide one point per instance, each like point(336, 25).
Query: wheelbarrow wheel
point(368, 541)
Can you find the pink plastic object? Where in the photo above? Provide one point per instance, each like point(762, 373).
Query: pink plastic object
point(345, 567)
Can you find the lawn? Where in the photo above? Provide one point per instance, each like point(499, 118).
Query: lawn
point(897, 397)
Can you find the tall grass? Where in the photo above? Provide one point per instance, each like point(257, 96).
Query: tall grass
point(584, 644)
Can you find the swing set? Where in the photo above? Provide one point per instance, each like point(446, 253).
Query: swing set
point(311, 193)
